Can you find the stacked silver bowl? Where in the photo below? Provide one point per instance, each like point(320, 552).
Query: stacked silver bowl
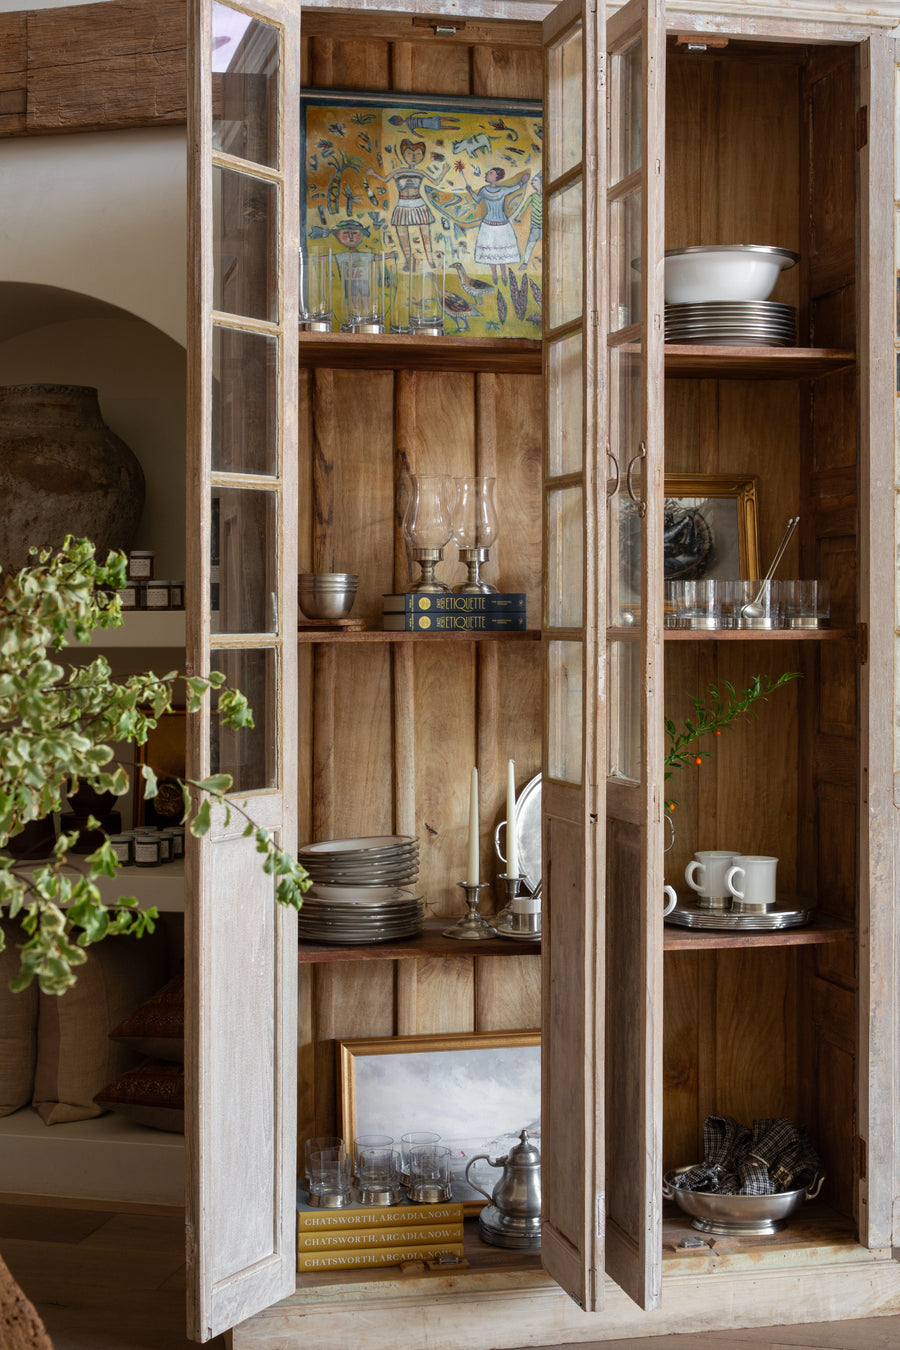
point(363, 890)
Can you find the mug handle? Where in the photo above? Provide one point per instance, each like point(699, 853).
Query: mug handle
point(732, 872)
point(671, 899)
point(689, 873)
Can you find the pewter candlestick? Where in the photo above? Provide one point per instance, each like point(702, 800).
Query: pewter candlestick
point(472, 927)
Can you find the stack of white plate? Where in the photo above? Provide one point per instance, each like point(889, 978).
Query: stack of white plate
point(360, 892)
point(745, 323)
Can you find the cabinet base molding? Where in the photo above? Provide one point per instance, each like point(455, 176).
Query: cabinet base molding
point(520, 1309)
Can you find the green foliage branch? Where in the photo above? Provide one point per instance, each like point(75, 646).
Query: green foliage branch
point(712, 715)
point(59, 724)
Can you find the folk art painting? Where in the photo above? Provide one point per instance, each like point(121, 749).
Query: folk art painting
point(451, 184)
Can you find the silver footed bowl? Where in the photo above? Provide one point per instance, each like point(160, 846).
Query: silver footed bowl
point(737, 1215)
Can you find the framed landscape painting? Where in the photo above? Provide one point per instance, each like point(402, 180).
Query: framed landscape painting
point(478, 1091)
point(450, 187)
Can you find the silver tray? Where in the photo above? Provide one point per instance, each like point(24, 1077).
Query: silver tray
point(528, 834)
point(784, 914)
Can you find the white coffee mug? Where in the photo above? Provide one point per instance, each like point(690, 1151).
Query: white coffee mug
point(705, 874)
point(756, 873)
point(671, 899)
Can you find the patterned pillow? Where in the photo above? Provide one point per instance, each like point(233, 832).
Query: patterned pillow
point(156, 1028)
point(152, 1094)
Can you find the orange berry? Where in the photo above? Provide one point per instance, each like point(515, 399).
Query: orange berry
point(698, 759)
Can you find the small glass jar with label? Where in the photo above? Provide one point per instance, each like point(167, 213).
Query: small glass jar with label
point(156, 595)
point(131, 596)
point(122, 846)
point(176, 595)
point(146, 848)
point(177, 833)
point(140, 565)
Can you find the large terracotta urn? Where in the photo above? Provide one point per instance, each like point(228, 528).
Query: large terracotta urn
point(62, 471)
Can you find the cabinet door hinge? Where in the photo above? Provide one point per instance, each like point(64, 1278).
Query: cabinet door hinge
point(862, 127)
point(860, 1152)
point(862, 643)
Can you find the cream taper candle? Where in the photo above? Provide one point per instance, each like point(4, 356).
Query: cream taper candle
point(512, 843)
point(472, 876)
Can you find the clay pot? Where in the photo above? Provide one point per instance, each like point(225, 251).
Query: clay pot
point(62, 471)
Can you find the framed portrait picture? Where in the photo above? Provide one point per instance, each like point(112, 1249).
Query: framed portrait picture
point(478, 1091)
point(449, 188)
point(711, 528)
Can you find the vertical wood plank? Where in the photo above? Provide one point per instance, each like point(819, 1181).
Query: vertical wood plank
point(323, 744)
point(507, 993)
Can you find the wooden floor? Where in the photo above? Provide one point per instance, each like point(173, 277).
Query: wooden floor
point(107, 1281)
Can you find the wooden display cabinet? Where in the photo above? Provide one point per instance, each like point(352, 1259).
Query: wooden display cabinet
point(778, 132)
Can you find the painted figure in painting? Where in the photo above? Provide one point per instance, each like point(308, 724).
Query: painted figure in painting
point(496, 243)
point(535, 203)
point(411, 211)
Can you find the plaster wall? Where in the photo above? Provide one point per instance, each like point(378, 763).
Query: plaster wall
point(102, 214)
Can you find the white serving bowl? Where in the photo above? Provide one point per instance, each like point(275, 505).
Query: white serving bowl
point(712, 272)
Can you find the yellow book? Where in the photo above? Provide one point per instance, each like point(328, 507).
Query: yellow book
point(375, 1256)
point(355, 1238)
point(311, 1217)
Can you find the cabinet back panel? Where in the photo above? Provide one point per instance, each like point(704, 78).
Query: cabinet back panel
point(732, 151)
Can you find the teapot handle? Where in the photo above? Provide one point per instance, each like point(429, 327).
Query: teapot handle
point(482, 1157)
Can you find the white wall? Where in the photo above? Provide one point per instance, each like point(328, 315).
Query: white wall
point(103, 214)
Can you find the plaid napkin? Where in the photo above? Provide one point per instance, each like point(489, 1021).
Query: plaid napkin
point(775, 1155)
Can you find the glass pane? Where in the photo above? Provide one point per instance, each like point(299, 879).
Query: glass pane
point(566, 255)
point(565, 704)
point(244, 392)
point(625, 113)
point(624, 552)
point(249, 754)
point(244, 86)
point(565, 415)
point(624, 703)
point(242, 557)
point(245, 278)
point(625, 261)
point(564, 112)
point(565, 557)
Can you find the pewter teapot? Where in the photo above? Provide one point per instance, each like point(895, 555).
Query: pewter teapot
point(513, 1217)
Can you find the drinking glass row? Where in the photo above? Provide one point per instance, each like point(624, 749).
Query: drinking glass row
point(373, 1171)
point(747, 604)
point(374, 294)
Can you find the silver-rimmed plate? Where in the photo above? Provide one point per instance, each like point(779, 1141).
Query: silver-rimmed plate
point(365, 845)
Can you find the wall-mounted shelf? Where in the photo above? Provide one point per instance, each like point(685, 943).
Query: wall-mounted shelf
point(403, 352)
point(160, 888)
point(141, 628)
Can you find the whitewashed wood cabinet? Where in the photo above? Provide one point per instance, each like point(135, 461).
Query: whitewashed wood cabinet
point(707, 124)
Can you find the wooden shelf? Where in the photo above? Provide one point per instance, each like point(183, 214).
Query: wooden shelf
point(379, 635)
point(401, 351)
point(753, 363)
point(430, 943)
point(758, 634)
point(707, 939)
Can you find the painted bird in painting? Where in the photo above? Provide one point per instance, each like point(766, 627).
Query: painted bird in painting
point(472, 286)
point(458, 308)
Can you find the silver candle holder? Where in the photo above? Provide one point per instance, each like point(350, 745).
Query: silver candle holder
point(472, 927)
point(474, 584)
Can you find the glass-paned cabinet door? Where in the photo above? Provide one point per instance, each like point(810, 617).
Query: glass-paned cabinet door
point(633, 359)
point(242, 502)
point(572, 1104)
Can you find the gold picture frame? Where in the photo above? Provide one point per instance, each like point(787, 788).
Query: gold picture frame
point(720, 527)
point(478, 1090)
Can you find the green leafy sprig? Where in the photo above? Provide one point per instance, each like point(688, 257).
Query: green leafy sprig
point(57, 726)
point(712, 715)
